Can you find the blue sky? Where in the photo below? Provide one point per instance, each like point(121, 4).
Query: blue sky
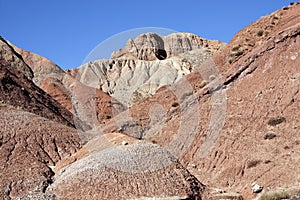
point(66, 31)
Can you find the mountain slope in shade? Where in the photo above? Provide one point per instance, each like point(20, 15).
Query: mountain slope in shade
point(33, 134)
point(10, 56)
point(18, 90)
point(60, 86)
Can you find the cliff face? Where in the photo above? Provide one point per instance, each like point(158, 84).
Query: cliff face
point(145, 64)
point(151, 46)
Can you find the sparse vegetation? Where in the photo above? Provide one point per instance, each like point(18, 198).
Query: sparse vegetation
point(184, 95)
point(239, 53)
point(203, 84)
point(136, 97)
point(275, 195)
point(269, 136)
point(236, 48)
point(260, 33)
point(273, 121)
point(253, 163)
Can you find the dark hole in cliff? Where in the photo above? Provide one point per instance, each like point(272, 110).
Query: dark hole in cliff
point(161, 54)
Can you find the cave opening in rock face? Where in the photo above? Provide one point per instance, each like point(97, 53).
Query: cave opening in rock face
point(161, 54)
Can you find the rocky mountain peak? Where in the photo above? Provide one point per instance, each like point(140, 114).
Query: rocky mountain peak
point(151, 46)
point(9, 56)
point(40, 66)
point(229, 133)
point(145, 64)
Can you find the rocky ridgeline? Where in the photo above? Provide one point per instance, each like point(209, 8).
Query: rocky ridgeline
point(230, 136)
point(23, 74)
point(145, 64)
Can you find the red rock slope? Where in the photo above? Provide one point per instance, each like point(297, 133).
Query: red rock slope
point(247, 100)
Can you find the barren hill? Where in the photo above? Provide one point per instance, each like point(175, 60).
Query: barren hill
point(145, 64)
point(205, 120)
point(29, 147)
point(33, 134)
point(17, 88)
point(60, 86)
point(246, 100)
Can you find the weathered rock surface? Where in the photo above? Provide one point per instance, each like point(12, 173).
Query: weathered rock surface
point(18, 90)
point(152, 46)
point(242, 100)
point(226, 121)
point(138, 70)
point(10, 56)
point(61, 86)
point(40, 66)
point(29, 146)
point(135, 171)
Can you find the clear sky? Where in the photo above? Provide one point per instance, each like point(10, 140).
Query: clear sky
point(65, 31)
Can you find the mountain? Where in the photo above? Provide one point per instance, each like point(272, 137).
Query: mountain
point(234, 121)
point(166, 117)
point(30, 146)
point(36, 131)
point(135, 72)
point(60, 85)
point(111, 169)
point(17, 88)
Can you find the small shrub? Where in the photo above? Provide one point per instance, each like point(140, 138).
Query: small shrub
point(253, 163)
point(212, 77)
point(175, 104)
point(266, 33)
point(285, 8)
point(236, 48)
point(275, 196)
point(233, 55)
point(136, 97)
point(239, 53)
point(260, 33)
point(269, 136)
point(203, 84)
point(273, 121)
